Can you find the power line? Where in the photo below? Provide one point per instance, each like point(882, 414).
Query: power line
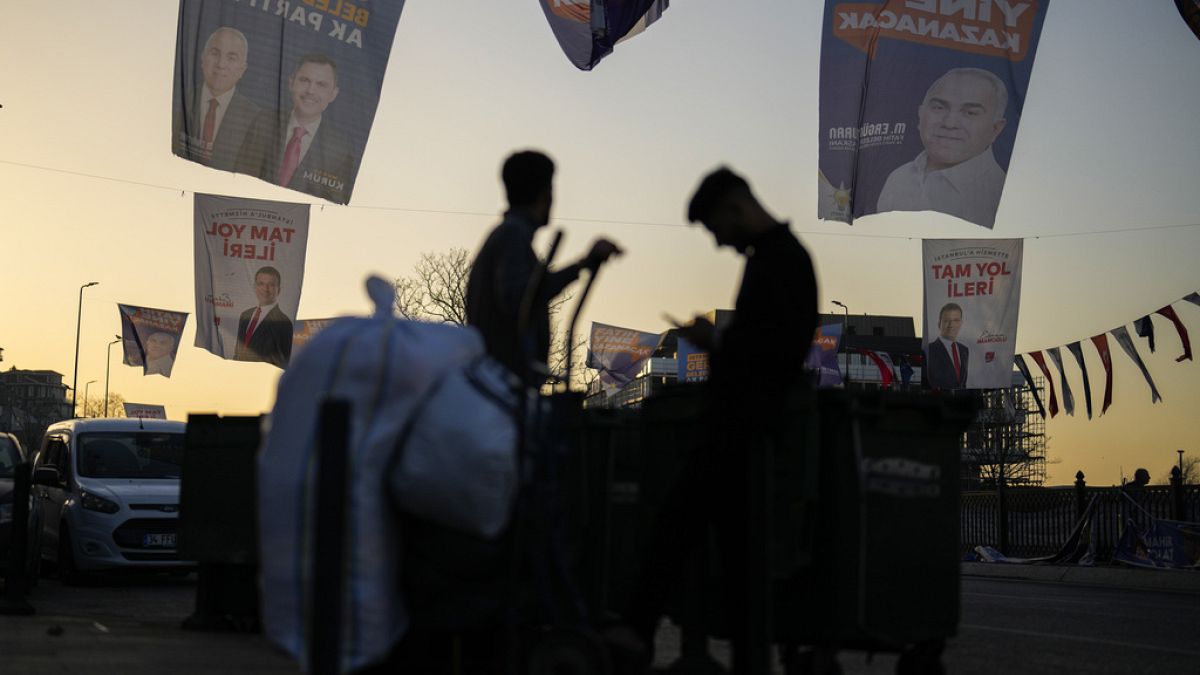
point(603, 221)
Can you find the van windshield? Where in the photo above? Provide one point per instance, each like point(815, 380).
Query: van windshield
point(130, 455)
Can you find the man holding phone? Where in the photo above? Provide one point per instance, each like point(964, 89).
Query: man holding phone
point(776, 309)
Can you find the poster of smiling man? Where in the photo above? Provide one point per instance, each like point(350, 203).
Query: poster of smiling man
point(285, 91)
point(972, 299)
point(151, 338)
point(920, 102)
point(249, 272)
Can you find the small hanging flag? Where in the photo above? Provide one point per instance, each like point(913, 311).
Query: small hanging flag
point(1126, 343)
point(1193, 298)
point(887, 373)
point(1145, 328)
point(1068, 397)
point(1041, 362)
point(1032, 387)
point(1101, 342)
point(1077, 351)
point(1169, 312)
point(1190, 11)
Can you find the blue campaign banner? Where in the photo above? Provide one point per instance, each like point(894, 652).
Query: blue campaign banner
point(822, 355)
point(693, 362)
point(1165, 544)
point(619, 353)
point(285, 91)
point(151, 338)
point(588, 30)
point(920, 103)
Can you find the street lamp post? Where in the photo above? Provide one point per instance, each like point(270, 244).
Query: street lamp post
point(1180, 451)
point(845, 334)
point(108, 369)
point(75, 375)
point(85, 396)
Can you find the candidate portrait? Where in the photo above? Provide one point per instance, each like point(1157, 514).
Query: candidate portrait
point(264, 331)
point(212, 126)
point(299, 148)
point(956, 172)
point(946, 358)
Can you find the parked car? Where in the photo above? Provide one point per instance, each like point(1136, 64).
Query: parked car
point(107, 494)
point(11, 454)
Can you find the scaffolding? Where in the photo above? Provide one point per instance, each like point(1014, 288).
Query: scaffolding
point(1007, 441)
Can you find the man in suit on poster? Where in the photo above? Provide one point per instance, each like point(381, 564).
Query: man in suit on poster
point(215, 129)
point(946, 358)
point(299, 148)
point(264, 331)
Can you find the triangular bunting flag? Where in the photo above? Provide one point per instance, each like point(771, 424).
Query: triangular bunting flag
point(1145, 328)
point(1041, 362)
point(1101, 342)
point(1077, 351)
point(884, 362)
point(1068, 397)
point(1193, 298)
point(1126, 343)
point(1032, 387)
point(1169, 312)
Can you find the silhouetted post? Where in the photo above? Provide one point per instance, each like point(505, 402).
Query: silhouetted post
point(1177, 493)
point(1080, 495)
point(333, 433)
point(1002, 508)
point(16, 583)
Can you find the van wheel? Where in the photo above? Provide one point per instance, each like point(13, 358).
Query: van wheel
point(68, 572)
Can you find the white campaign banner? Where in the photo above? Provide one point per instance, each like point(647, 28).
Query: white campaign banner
point(972, 300)
point(145, 411)
point(249, 272)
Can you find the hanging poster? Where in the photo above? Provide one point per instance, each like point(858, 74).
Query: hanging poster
point(282, 91)
point(587, 30)
point(920, 102)
point(822, 355)
point(151, 338)
point(972, 300)
point(692, 362)
point(619, 353)
point(249, 272)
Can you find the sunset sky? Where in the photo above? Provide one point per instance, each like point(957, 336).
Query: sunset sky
point(1104, 185)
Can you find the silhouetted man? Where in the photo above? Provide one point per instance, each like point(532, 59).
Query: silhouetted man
point(776, 308)
point(504, 267)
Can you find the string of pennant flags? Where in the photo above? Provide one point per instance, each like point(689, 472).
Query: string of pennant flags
point(1143, 326)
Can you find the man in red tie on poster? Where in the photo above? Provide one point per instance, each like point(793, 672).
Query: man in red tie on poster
point(301, 148)
point(265, 332)
point(215, 130)
point(945, 357)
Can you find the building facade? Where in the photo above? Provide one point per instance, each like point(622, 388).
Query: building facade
point(30, 401)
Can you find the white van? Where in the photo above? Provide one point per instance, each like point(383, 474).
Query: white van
point(107, 491)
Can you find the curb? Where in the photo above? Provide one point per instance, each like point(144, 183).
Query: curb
point(1113, 576)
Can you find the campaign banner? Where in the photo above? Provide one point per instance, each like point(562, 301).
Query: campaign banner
point(972, 298)
point(249, 272)
point(145, 411)
point(619, 353)
point(920, 102)
point(284, 91)
point(305, 330)
point(1190, 11)
point(587, 30)
point(151, 338)
point(822, 355)
point(1161, 544)
point(692, 362)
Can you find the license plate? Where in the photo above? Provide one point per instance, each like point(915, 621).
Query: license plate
point(159, 540)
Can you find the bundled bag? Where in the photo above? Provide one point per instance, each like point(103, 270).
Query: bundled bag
point(431, 432)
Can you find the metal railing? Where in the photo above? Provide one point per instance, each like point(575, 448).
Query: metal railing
point(1031, 522)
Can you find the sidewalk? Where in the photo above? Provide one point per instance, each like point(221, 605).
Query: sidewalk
point(1113, 576)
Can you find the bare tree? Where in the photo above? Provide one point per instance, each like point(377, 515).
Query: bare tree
point(1191, 471)
point(437, 291)
point(94, 406)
